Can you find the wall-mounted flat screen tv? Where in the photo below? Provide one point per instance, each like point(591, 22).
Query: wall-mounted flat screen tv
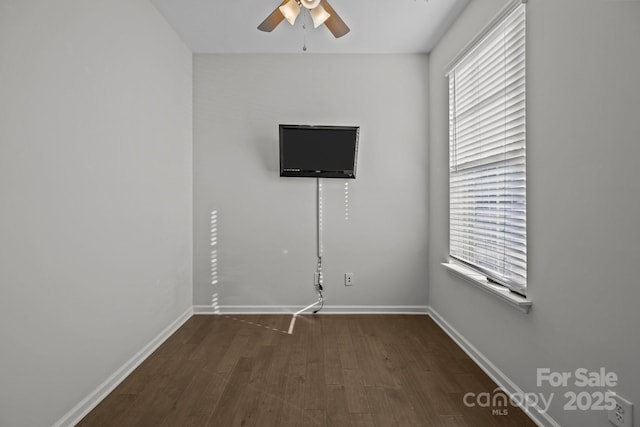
point(319, 151)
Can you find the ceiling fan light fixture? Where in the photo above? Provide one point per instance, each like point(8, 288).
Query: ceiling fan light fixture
point(320, 11)
point(310, 4)
point(290, 11)
point(319, 15)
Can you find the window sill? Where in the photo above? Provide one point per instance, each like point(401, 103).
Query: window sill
point(481, 281)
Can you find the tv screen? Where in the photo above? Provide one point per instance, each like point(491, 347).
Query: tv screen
point(319, 151)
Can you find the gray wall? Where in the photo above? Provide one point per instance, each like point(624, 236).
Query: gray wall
point(95, 196)
point(583, 200)
point(266, 224)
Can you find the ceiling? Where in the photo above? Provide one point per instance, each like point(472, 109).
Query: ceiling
point(377, 26)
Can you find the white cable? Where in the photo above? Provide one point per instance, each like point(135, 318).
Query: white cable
point(320, 243)
point(320, 248)
point(293, 318)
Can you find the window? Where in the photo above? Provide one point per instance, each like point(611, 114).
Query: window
point(487, 135)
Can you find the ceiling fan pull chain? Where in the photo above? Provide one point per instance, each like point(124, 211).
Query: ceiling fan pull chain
point(304, 29)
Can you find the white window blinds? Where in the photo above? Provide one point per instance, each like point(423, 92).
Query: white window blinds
point(487, 178)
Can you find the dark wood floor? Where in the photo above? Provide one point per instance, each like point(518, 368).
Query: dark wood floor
point(334, 370)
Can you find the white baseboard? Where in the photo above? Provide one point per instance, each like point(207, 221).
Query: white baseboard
point(327, 309)
point(537, 415)
point(75, 415)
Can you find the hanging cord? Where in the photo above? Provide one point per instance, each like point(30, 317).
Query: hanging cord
point(319, 287)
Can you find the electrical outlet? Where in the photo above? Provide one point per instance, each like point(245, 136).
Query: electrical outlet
point(348, 279)
point(622, 414)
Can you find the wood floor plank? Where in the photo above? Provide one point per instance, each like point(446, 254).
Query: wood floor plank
point(383, 365)
point(315, 418)
point(315, 392)
point(348, 357)
point(337, 412)
point(293, 413)
point(381, 410)
point(151, 404)
point(267, 411)
point(233, 353)
point(332, 362)
point(355, 392)
point(198, 401)
point(452, 421)
point(103, 415)
point(401, 407)
point(246, 413)
point(233, 395)
point(368, 359)
point(204, 391)
point(339, 370)
point(361, 420)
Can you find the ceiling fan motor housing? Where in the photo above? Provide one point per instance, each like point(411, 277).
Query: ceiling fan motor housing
point(309, 4)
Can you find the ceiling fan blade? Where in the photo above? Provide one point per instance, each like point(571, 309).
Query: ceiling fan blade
point(335, 24)
point(272, 20)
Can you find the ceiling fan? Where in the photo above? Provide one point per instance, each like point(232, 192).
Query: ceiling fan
point(320, 10)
